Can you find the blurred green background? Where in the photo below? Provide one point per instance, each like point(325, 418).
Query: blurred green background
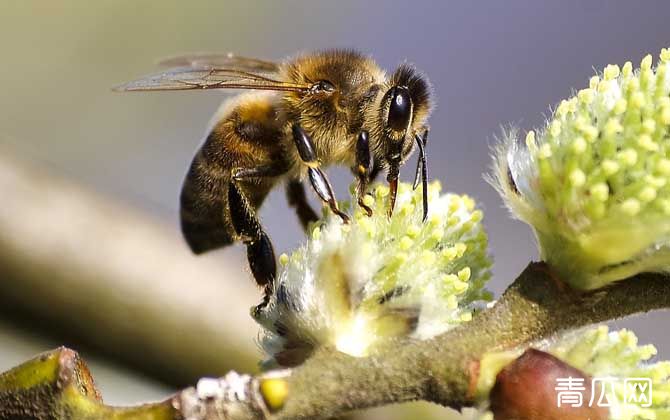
point(492, 63)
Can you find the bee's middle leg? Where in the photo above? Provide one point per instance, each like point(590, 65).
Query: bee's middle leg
point(317, 177)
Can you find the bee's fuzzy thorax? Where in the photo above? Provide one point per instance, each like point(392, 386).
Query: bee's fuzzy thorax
point(354, 287)
point(593, 182)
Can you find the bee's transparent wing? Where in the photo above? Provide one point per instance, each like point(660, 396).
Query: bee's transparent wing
point(194, 78)
point(221, 60)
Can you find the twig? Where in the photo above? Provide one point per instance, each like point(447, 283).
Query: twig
point(442, 370)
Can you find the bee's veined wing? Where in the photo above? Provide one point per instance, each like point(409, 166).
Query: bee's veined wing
point(221, 60)
point(194, 78)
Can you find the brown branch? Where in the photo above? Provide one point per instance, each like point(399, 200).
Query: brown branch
point(441, 370)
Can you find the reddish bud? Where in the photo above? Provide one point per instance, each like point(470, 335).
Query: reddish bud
point(532, 386)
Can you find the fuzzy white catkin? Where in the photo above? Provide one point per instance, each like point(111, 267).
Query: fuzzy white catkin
point(593, 182)
point(357, 286)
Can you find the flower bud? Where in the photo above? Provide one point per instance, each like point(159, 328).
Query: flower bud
point(593, 183)
point(531, 387)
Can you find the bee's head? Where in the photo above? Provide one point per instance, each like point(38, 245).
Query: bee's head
point(404, 109)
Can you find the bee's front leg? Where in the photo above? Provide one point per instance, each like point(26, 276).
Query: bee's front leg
point(317, 177)
point(363, 168)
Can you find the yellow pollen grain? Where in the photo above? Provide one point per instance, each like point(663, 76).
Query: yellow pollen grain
point(646, 62)
point(530, 141)
point(477, 216)
point(283, 259)
point(579, 145)
point(665, 55)
point(464, 274)
point(405, 243)
point(627, 69)
point(274, 392)
point(593, 82)
point(649, 125)
point(663, 166)
point(609, 167)
point(555, 129)
point(316, 233)
point(434, 219)
point(590, 132)
point(655, 181)
point(437, 235)
point(647, 194)
point(460, 286)
point(586, 96)
point(467, 226)
point(449, 279)
point(631, 207)
point(435, 187)
point(368, 200)
point(413, 231)
point(600, 191)
point(628, 157)
point(613, 126)
point(637, 100)
point(449, 253)
point(577, 178)
point(460, 249)
point(545, 151)
point(453, 221)
point(611, 72)
point(645, 141)
point(563, 108)
point(468, 202)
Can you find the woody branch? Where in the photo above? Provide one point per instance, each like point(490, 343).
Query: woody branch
point(441, 370)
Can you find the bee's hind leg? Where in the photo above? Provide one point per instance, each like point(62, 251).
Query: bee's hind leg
point(317, 177)
point(295, 193)
point(260, 252)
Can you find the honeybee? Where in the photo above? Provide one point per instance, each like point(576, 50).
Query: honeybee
point(308, 112)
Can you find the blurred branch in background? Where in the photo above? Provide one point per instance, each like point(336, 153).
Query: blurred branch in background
point(105, 277)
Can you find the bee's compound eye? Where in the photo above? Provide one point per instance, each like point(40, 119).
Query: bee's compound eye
point(400, 108)
point(322, 86)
